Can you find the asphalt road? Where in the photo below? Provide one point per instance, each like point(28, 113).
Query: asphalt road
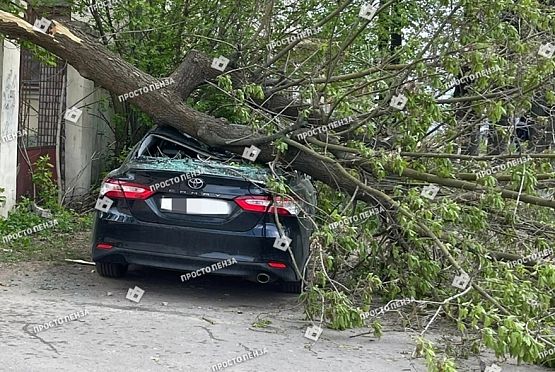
point(179, 326)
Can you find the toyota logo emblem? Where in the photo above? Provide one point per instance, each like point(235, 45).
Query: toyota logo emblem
point(195, 183)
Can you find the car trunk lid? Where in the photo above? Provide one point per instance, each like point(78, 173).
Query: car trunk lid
point(195, 193)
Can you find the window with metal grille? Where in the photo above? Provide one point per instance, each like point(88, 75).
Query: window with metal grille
point(42, 93)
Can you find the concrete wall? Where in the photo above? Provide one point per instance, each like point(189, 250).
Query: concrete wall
point(105, 138)
point(9, 108)
point(86, 140)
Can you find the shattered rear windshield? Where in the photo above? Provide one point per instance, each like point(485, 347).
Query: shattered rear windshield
point(209, 167)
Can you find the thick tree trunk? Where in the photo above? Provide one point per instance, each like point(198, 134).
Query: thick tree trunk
point(166, 106)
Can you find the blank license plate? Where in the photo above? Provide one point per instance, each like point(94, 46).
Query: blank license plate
point(196, 206)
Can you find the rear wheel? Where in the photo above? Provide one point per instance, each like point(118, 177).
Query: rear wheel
point(111, 270)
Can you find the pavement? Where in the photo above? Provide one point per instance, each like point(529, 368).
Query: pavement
point(178, 326)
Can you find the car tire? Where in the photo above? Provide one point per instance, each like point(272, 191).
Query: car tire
point(111, 270)
point(292, 287)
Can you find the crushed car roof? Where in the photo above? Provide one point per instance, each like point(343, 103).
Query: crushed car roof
point(233, 166)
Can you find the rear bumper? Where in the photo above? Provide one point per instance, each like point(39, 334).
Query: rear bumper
point(185, 264)
point(189, 249)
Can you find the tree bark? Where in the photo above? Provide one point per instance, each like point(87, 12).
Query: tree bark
point(95, 62)
point(166, 106)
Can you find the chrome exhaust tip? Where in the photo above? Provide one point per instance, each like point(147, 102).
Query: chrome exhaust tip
point(263, 278)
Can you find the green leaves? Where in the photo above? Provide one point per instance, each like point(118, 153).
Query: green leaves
point(496, 111)
point(281, 146)
point(224, 82)
point(356, 70)
point(254, 91)
point(42, 178)
point(377, 328)
point(399, 164)
point(450, 211)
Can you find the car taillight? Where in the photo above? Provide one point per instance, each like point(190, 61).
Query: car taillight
point(114, 189)
point(283, 206)
point(277, 265)
point(104, 246)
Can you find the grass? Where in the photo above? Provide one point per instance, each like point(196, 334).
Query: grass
point(69, 238)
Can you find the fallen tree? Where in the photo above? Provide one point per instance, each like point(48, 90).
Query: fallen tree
point(381, 156)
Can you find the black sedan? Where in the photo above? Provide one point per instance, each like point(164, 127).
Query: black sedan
point(178, 204)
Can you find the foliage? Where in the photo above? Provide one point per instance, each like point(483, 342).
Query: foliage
point(413, 248)
point(22, 217)
point(434, 364)
point(262, 323)
point(46, 188)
